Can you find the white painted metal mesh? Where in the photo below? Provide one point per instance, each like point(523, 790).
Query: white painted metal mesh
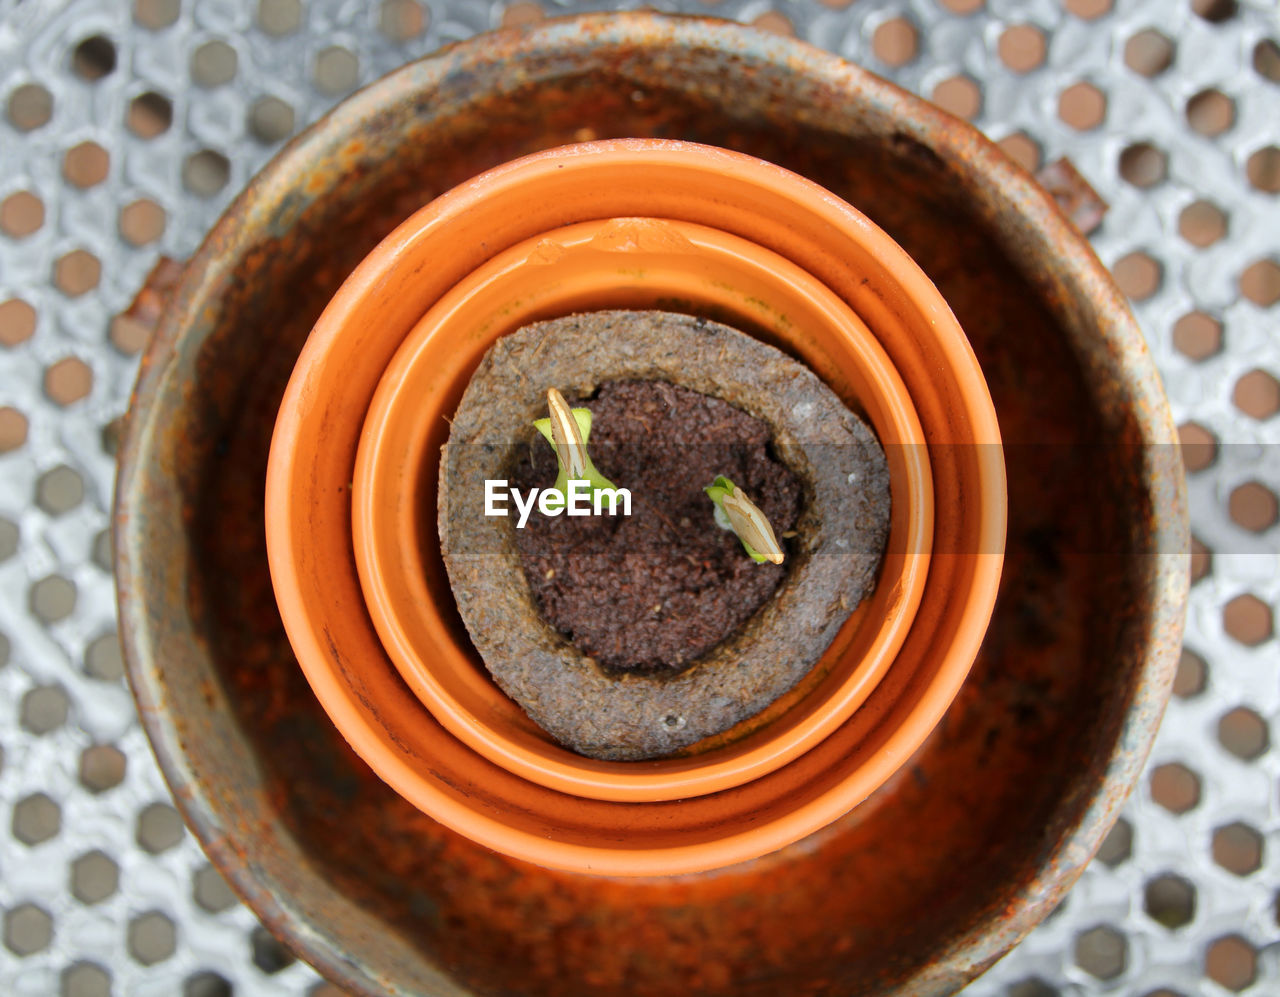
point(126, 128)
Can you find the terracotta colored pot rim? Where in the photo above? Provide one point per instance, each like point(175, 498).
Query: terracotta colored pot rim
point(710, 186)
point(640, 262)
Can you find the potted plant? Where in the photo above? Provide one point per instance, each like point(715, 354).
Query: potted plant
point(612, 264)
point(631, 635)
point(756, 773)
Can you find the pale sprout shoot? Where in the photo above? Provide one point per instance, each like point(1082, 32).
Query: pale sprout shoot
point(569, 441)
point(567, 430)
point(736, 512)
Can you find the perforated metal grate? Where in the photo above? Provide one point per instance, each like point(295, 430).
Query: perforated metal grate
point(127, 128)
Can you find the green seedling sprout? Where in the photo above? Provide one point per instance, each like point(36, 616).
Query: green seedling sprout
point(734, 511)
point(567, 430)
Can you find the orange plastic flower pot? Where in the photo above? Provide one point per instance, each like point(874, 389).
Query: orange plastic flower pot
point(313, 458)
point(623, 263)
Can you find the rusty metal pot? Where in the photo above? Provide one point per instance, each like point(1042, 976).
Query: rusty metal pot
point(914, 892)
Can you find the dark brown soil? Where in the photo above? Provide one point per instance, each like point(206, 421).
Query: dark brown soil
point(653, 591)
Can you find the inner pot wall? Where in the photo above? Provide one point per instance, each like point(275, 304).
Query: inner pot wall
point(940, 869)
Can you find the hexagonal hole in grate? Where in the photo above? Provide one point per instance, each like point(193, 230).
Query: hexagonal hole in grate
point(59, 490)
point(1192, 675)
point(152, 938)
point(111, 435)
point(1215, 11)
point(1088, 10)
point(1149, 53)
point(1033, 987)
point(103, 554)
point(86, 165)
point(86, 979)
point(30, 106)
point(156, 14)
point(269, 955)
point(522, 12)
point(36, 819)
point(213, 64)
point(1260, 283)
point(13, 429)
point(1263, 169)
point(150, 114)
point(159, 828)
point(1231, 962)
point(279, 17)
point(1143, 165)
point(94, 877)
point(1023, 150)
point(1247, 619)
point(68, 381)
point(8, 539)
point(28, 929)
point(402, 20)
point(1197, 336)
point(1082, 106)
point(102, 767)
point(1138, 274)
point(1102, 952)
point(128, 335)
point(1253, 507)
point(1117, 846)
point(1022, 47)
point(211, 891)
point(336, 70)
point(271, 120)
point(1266, 60)
point(1202, 223)
point(44, 709)
point(206, 983)
point(1199, 446)
point(1169, 900)
point(895, 41)
point(17, 322)
point(1211, 112)
point(52, 599)
point(1257, 394)
point(1238, 848)
point(76, 273)
point(958, 95)
point(94, 58)
point(775, 22)
point(21, 214)
point(1175, 787)
point(141, 222)
point(1243, 733)
point(206, 172)
point(1201, 560)
point(102, 658)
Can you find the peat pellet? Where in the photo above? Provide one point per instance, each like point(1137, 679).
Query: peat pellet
point(655, 704)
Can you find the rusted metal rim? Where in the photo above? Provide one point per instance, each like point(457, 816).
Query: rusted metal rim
point(1028, 225)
